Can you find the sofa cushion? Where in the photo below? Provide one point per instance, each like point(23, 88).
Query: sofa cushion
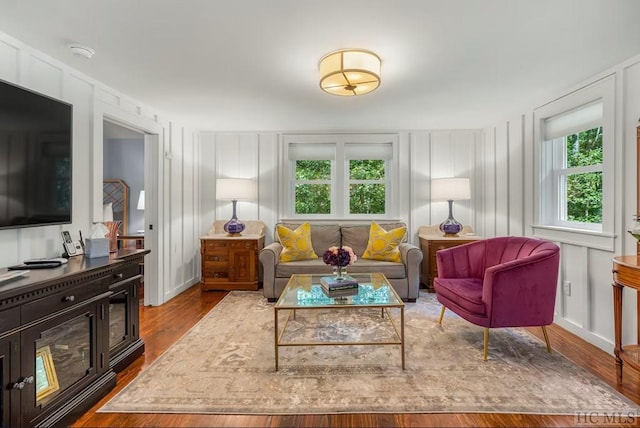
point(312, 267)
point(296, 243)
point(391, 270)
point(383, 244)
point(356, 236)
point(323, 236)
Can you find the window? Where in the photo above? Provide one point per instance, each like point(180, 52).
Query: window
point(339, 176)
point(580, 177)
point(572, 189)
point(313, 187)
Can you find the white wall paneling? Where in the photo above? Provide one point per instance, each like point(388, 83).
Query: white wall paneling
point(268, 187)
point(515, 175)
point(420, 167)
point(206, 179)
point(237, 156)
point(453, 154)
point(488, 168)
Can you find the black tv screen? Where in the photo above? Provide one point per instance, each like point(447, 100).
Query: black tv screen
point(35, 158)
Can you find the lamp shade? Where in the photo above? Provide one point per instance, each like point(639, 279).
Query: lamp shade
point(450, 189)
point(141, 200)
point(236, 189)
point(349, 72)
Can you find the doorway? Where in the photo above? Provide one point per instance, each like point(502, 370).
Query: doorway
point(123, 185)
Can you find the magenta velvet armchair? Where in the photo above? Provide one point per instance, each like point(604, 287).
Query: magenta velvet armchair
point(500, 282)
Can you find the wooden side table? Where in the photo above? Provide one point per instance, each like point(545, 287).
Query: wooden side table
point(430, 243)
point(138, 238)
point(230, 263)
point(626, 273)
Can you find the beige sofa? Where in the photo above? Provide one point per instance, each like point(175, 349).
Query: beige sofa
point(404, 276)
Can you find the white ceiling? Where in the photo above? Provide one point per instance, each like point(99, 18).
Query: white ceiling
point(252, 64)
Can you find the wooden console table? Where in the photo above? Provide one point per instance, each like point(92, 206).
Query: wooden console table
point(81, 321)
point(626, 273)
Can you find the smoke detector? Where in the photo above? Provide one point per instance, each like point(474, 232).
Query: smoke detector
point(81, 50)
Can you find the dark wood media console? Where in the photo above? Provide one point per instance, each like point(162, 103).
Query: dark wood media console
point(64, 333)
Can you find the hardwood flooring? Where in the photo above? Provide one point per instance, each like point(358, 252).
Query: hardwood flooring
point(161, 326)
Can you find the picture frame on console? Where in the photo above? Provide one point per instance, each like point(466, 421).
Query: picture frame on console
point(46, 376)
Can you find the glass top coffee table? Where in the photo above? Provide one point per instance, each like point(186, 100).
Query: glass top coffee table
point(304, 292)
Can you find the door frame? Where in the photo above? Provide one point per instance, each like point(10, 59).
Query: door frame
point(153, 169)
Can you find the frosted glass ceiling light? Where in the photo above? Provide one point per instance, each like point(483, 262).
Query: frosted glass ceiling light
point(349, 72)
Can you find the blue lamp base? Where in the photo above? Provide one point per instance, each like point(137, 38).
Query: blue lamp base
point(234, 227)
point(450, 227)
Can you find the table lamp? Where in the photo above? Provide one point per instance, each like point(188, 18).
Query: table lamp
point(234, 190)
point(450, 189)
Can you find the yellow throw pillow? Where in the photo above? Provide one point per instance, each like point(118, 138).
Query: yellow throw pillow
point(383, 245)
point(296, 243)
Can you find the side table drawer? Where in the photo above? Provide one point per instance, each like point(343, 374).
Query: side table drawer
point(244, 245)
point(215, 257)
point(211, 245)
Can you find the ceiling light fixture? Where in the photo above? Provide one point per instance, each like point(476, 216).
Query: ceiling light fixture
point(81, 50)
point(349, 72)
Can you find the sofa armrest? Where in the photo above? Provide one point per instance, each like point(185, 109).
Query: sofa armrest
point(269, 257)
point(412, 259)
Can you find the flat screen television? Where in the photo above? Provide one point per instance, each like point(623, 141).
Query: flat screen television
point(35, 158)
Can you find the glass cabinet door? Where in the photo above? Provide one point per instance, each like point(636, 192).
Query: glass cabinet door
point(63, 357)
point(119, 304)
point(60, 355)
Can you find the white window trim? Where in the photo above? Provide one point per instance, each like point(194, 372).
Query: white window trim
point(340, 180)
point(603, 91)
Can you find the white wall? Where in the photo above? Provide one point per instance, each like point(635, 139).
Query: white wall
point(509, 172)
point(175, 191)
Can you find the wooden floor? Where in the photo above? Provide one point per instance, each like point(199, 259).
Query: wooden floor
point(161, 326)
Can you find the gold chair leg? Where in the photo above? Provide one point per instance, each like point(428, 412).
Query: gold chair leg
point(486, 342)
point(546, 338)
point(441, 315)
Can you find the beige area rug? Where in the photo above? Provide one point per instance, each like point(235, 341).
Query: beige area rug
point(225, 364)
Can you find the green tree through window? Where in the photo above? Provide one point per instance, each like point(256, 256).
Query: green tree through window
point(313, 188)
point(584, 189)
point(367, 187)
point(367, 190)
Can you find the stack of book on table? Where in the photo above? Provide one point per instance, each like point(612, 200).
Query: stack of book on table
point(333, 287)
